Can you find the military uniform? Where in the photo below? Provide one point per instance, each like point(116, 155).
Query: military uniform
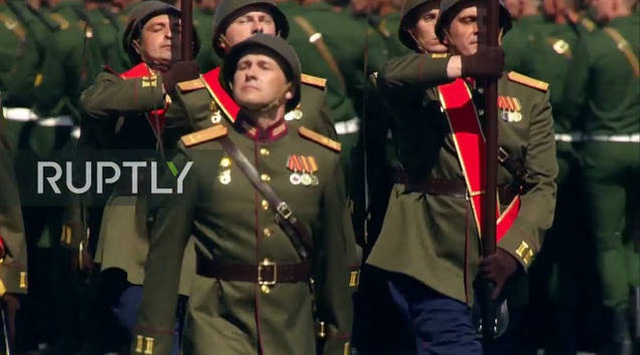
point(13, 264)
point(126, 113)
point(611, 156)
point(262, 299)
point(207, 59)
point(438, 249)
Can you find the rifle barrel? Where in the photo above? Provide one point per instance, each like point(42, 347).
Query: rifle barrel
point(186, 6)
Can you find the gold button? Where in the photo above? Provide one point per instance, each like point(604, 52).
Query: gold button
point(225, 162)
point(265, 177)
point(266, 232)
point(264, 151)
point(265, 205)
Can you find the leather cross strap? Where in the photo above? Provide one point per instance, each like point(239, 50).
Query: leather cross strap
point(292, 227)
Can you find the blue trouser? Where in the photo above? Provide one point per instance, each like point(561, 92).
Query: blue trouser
point(127, 310)
point(441, 324)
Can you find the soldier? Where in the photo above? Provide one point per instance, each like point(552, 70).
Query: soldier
point(202, 100)
point(611, 161)
point(13, 249)
point(376, 318)
point(254, 265)
point(126, 112)
point(436, 211)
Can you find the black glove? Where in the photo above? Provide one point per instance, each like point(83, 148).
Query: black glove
point(497, 268)
point(488, 62)
point(180, 71)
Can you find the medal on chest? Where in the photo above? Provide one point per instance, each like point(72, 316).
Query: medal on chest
point(303, 169)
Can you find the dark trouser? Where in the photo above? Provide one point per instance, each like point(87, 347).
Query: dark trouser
point(441, 324)
point(379, 328)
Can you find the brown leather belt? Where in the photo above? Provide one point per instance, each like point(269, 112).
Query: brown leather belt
point(266, 273)
point(453, 188)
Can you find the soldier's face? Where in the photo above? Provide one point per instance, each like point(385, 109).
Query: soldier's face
point(462, 33)
point(424, 32)
point(156, 37)
point(246, 25)
point(603, 9)
point(514, 7)
point(259, 81)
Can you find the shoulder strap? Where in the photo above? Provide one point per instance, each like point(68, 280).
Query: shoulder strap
point(14, 26)
point(321, 47)
point(293, 228)
point(625, 48)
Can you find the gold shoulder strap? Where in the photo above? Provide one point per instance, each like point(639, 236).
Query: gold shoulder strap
point(316, 38)
point(14, 26)
point(625, 48)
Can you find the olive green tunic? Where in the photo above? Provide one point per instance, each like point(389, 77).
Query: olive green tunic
point(13, 269)
point(233, 224)
point(117, 121)
point(424, 236)
point(612, 165)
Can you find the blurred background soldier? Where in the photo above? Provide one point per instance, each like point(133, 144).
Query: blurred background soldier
point(13, 248)
point(545, 45)
point(611, 156)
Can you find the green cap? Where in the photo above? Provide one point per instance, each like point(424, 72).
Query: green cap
point(408, 20)
point(226, 12)
point(282, 52)
point(450, 8)
point(139, 16)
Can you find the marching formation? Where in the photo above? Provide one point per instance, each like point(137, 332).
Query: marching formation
point(310, 177)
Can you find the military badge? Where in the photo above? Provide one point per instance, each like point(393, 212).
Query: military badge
point(225, 172)
point(216, 115)
point(303, 170)
point(295, 114)
point(510, 108)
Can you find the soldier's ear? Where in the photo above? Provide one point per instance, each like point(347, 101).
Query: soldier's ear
point(136, 45)
point(222, 42)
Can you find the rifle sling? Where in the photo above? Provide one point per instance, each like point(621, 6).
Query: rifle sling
point(322, 48)
point(293, 228)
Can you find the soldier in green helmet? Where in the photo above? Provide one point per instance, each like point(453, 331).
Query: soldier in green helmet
point(430, 236)
point(126, 112)
point(377, 318)
point(203, 100)
point(256, 289)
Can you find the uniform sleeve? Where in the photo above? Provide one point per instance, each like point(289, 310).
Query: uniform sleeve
point(337, 267)
point(537, 207)
point(111, 96)
point(403, 80)
point(154, 331)
point(13, 269)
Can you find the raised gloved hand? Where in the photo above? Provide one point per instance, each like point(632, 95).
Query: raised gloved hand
point(497, 268)
point(487, 62)
point(180, 71)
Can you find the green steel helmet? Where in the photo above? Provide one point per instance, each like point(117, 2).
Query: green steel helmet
point(281, 52)
point(408, 20)
point(226, 12)
point(450, 8)
point(139, 16)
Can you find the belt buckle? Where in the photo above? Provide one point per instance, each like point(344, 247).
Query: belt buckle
point(284, 211)
point(266, 263)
